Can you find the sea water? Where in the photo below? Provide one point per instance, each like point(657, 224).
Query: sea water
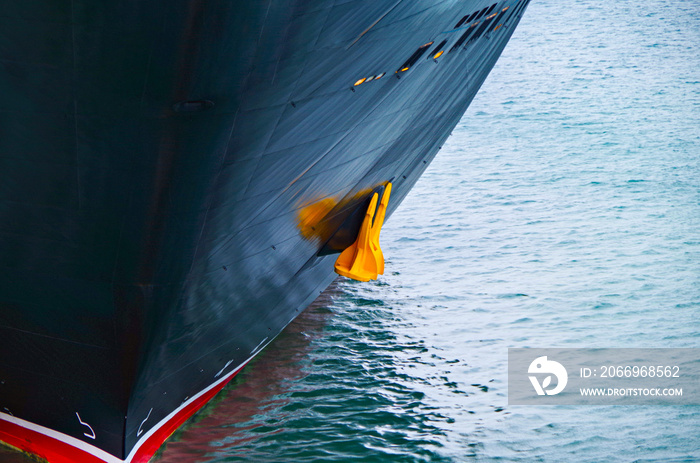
point(564, 211)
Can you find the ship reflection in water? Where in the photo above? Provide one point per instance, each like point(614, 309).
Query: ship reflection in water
point(237, 416)
point(8, 455)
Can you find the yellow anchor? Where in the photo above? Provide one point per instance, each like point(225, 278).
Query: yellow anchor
point(364, 260)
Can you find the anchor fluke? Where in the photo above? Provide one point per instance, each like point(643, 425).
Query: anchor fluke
point(364, 260)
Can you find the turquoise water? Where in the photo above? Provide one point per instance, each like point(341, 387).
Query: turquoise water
point(564, 211)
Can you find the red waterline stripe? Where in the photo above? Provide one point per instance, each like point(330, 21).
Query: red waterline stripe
point(56, 451)
point(154, 441)
point(48, 448)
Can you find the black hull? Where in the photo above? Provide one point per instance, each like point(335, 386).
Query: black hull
point(157, 160)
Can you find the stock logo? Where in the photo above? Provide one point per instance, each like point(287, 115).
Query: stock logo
point(541, 366)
